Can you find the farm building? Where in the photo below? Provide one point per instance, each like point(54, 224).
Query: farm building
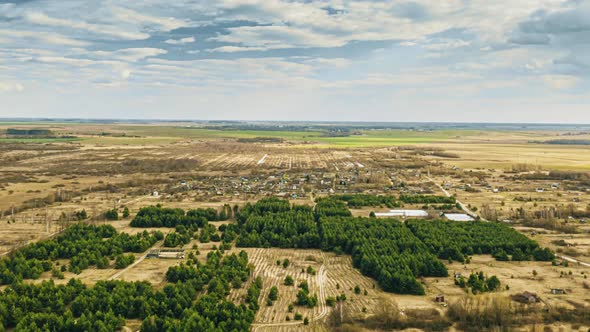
point(403, 213)
point(166, 253)
point(439, 299)
point(458, 217)
point(557, 291)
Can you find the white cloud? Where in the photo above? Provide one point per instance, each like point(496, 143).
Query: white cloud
point(134, 17)
point(561, 82)
point(181, 41)
point(129, 54)
point(44, 37)
point(125, 74)
point(106, 30)
point(233, 49)
point(64, 61)
point(11, 87)
point(447, 45)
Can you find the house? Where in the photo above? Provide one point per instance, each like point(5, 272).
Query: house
point(457, 275)
point(153, 253)
point(166, 253)
point(403, 213)
point(557, 291)
point(155, 193)
point(458, 217)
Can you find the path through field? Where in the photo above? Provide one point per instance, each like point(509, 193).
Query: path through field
point(261, 161)
point(137, 261)
point(573, 260)
point(324, 310)
point(463, 206)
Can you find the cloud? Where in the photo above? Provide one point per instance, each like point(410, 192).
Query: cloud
point(129, 54)
point(233, 49)
point(125, 74)
point(561, 82)
point(11, 87)
point(131, 16)
point(64, 60)
point(181, 41)
point(374, 55)
point(446, 44)
point(411, 10)
point(43, 37)
point(105, 30)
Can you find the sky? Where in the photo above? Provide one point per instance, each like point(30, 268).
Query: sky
point(297, 60)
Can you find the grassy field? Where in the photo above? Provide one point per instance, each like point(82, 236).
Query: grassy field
point(504, 155)
point(37, 140)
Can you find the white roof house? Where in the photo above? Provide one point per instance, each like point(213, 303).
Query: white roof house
point(459, 217)
point(403, 213)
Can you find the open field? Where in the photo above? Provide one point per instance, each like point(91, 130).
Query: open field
point(542, 190)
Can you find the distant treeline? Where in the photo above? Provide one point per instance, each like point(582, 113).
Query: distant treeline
point(567, 142)
point(558, 176)
point(427, 199)
point(261, 140)
point(245, 127)
point(28, 132)
point(356, 201)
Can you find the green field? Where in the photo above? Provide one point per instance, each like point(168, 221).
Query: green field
point(38, 140)
point(370, 138)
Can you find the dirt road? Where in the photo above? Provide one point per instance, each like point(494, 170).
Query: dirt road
point(137, 261)
point(463, 206)
point(573, 260)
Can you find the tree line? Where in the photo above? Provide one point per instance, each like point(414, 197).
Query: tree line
point(361, 200)
point(158, 216)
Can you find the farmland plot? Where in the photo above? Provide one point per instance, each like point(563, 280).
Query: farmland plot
point(264, 261)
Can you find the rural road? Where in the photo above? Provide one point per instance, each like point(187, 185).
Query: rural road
point(324, 310)
point(463, 206)
point(573, 260)
point(137, 261)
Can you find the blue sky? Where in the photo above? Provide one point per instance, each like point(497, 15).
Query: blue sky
point(420, 60)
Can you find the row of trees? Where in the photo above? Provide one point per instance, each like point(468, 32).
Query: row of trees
point(427, 199)
point(362, 200)
point(158, 216)
point(453, 240)
point(84, 245)
point(106, 305)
